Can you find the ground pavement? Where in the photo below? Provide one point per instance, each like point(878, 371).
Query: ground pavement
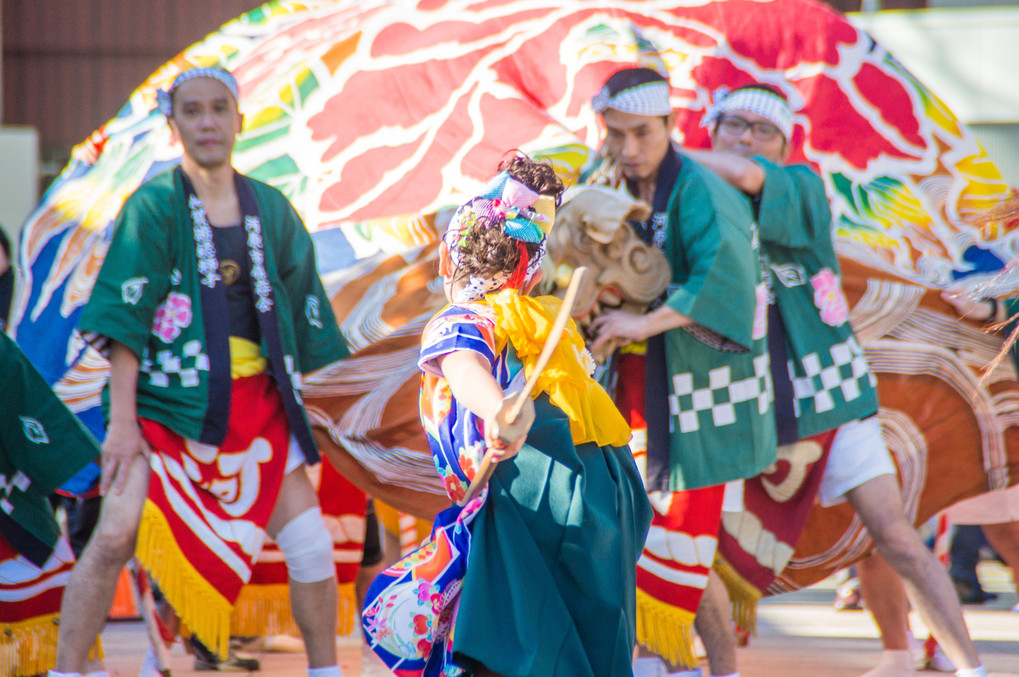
point(799, 635)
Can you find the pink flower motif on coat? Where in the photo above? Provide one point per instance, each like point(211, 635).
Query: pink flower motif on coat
point(829, 299)
point(172, 316)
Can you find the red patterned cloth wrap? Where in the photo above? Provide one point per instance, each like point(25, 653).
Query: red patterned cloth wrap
point(263, 607)
point(680, 547)
point(629, 398)
point(673, 570)
point(757, 543)
point(30, 609)
point(203, 523)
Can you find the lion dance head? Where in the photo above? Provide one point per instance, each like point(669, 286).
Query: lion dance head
point(623, 272)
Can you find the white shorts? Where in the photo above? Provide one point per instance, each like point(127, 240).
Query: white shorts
point(295, 457)
point(857, 455)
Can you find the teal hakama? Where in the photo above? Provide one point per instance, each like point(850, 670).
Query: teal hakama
point(535, 576)
point(551, 584)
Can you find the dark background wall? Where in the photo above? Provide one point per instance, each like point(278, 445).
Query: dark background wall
point(69, 65)
point(855, 5)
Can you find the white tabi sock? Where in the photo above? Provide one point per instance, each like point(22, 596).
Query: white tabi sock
point(735, 674)
point(649, 666)
point(979, 671)
point(694, 672)
point(150, 666)
point(331, 671)
point(54, 673)
point(97, 673)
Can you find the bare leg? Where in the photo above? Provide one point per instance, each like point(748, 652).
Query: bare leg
point(95, 665)
point(89, 591)
point(714, 624)
point(317, 603)
point(879, 505)
point(886, 600)
point(365, 575)
point(314, 604)
point(885, 596)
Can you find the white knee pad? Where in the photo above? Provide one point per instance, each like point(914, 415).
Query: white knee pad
point(308, 547)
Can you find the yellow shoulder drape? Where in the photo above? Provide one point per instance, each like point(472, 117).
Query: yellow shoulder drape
point(524, 322)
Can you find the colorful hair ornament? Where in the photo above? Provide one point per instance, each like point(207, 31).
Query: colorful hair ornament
point(521, 212)
point(527, 215)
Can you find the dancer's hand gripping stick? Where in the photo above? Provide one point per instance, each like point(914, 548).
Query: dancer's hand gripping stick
point(517, 413)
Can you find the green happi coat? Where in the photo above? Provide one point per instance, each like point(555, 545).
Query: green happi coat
point(722, 427)
point(147, 296)
point(42, 445)
point(831, 381)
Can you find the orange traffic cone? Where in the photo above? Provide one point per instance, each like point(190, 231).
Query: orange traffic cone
point(124, 605)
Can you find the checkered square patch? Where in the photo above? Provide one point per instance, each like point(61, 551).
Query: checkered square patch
point(832, 379)
point(19, 481)
point(720, 397)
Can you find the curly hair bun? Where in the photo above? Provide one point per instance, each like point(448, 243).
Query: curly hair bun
point(538, 176)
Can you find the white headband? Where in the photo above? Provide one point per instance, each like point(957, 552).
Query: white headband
point(649, 98)
point(164, 99)
point(760, 101)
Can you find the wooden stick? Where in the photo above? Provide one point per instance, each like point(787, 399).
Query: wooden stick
point(487, 467)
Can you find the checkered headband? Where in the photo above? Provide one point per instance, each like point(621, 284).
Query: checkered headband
point(641, 91)
point(164, 99)
point(760, 101)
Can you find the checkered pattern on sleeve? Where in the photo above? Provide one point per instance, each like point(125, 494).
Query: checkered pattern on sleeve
point(830, 379)
point(715, 404)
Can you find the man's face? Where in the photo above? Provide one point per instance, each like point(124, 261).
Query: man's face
point(749, 134)
point(638, 143)
point(206, 120)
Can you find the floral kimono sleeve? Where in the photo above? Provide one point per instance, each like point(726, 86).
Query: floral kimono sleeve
point(456, 328)
point(455, 435)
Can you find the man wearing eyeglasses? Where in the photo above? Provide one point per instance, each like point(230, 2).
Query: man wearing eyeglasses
point(810, 341)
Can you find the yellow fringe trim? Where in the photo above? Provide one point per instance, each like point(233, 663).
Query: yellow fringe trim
point(265, 610)
point(96, 652)
point(29, 647)
point(205, 611)
point(666, 630)
point(744, 596)
point(389, 518)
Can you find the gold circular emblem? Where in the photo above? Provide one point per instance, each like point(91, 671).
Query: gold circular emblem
point(229, 270)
